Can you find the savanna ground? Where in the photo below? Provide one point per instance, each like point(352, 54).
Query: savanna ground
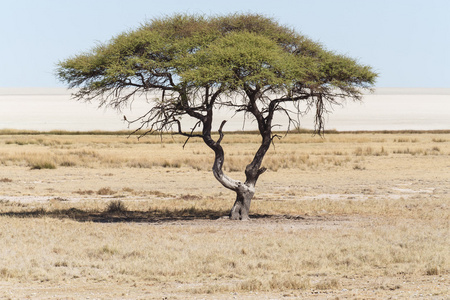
point(349, 216)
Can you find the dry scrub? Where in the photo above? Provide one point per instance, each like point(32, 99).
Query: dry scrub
point(349, 216)
point(301, 151)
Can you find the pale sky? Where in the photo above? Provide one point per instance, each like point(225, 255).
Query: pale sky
point(406, 41)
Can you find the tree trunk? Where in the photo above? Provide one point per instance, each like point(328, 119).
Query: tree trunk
point(244, 191)
point(241, 207)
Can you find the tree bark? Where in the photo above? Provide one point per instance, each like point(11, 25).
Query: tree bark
point(241, 207)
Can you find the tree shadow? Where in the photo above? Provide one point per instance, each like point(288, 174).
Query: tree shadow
point(128, 216)
point(151, 216)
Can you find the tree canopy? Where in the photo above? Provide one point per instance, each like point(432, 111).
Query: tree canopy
point(197, 64)
point(236, 53)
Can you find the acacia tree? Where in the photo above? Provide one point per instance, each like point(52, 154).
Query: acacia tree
point(197, 64)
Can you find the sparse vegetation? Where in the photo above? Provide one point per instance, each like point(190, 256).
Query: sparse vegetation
point(38, 165)
point(353, 217)
point(439, 140)
point(84, 192)
point(294, 151)
point(106, 191)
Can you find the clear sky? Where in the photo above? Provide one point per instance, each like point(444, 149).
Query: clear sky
point(406, 41)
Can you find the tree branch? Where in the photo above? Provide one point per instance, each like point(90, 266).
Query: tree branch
point(221, 132)
point(189, 135)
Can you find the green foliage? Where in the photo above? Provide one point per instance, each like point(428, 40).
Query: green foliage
point(229, 51)
point(238, 59)
point(190, 57)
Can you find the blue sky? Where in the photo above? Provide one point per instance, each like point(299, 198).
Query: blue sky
point(406, 41)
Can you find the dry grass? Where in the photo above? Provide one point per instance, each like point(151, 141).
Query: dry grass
point(350, 215)
point(294, 151)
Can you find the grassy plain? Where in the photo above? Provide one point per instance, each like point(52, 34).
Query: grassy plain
point(359, 216)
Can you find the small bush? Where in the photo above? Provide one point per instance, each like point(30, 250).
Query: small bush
point(439, 140)
point(190, 197)
point(85, 192)
point(116, 206)
point(437, 149)
point(327, 284)
point(358, 167)
point(5, 180)
point(402, 140)
point(432, 270)
point(59, 199)
point(288, 282)
point(5, 273)
point(108, 250)
point(105, 191)
point(127, 190)
point(67, 163)
point(251, 285)
point(42, 165)
point(140, 164)
point(361, 152)
point(170, 164)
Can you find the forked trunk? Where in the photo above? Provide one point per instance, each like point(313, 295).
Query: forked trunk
point(244, 191)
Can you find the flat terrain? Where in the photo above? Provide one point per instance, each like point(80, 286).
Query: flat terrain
point(347, 216)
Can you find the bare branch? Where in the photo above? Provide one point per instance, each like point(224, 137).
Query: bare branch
point(273, 137)
point(191, 134)
point(221, 132)
point(319, 120)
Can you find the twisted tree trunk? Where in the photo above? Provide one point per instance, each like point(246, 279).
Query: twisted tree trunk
point(244, 190)
point(241, 207)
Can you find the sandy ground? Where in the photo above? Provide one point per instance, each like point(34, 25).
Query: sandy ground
point(407, 177)
point(40, 187)
point(355, 288)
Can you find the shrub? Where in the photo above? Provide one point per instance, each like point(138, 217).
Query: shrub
point(327, 284)
point(42, 165)
point(105, 191)
point(85, 192)
point(439, 140)
point(116, 206)
point(432, 270)
point(67, 163)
